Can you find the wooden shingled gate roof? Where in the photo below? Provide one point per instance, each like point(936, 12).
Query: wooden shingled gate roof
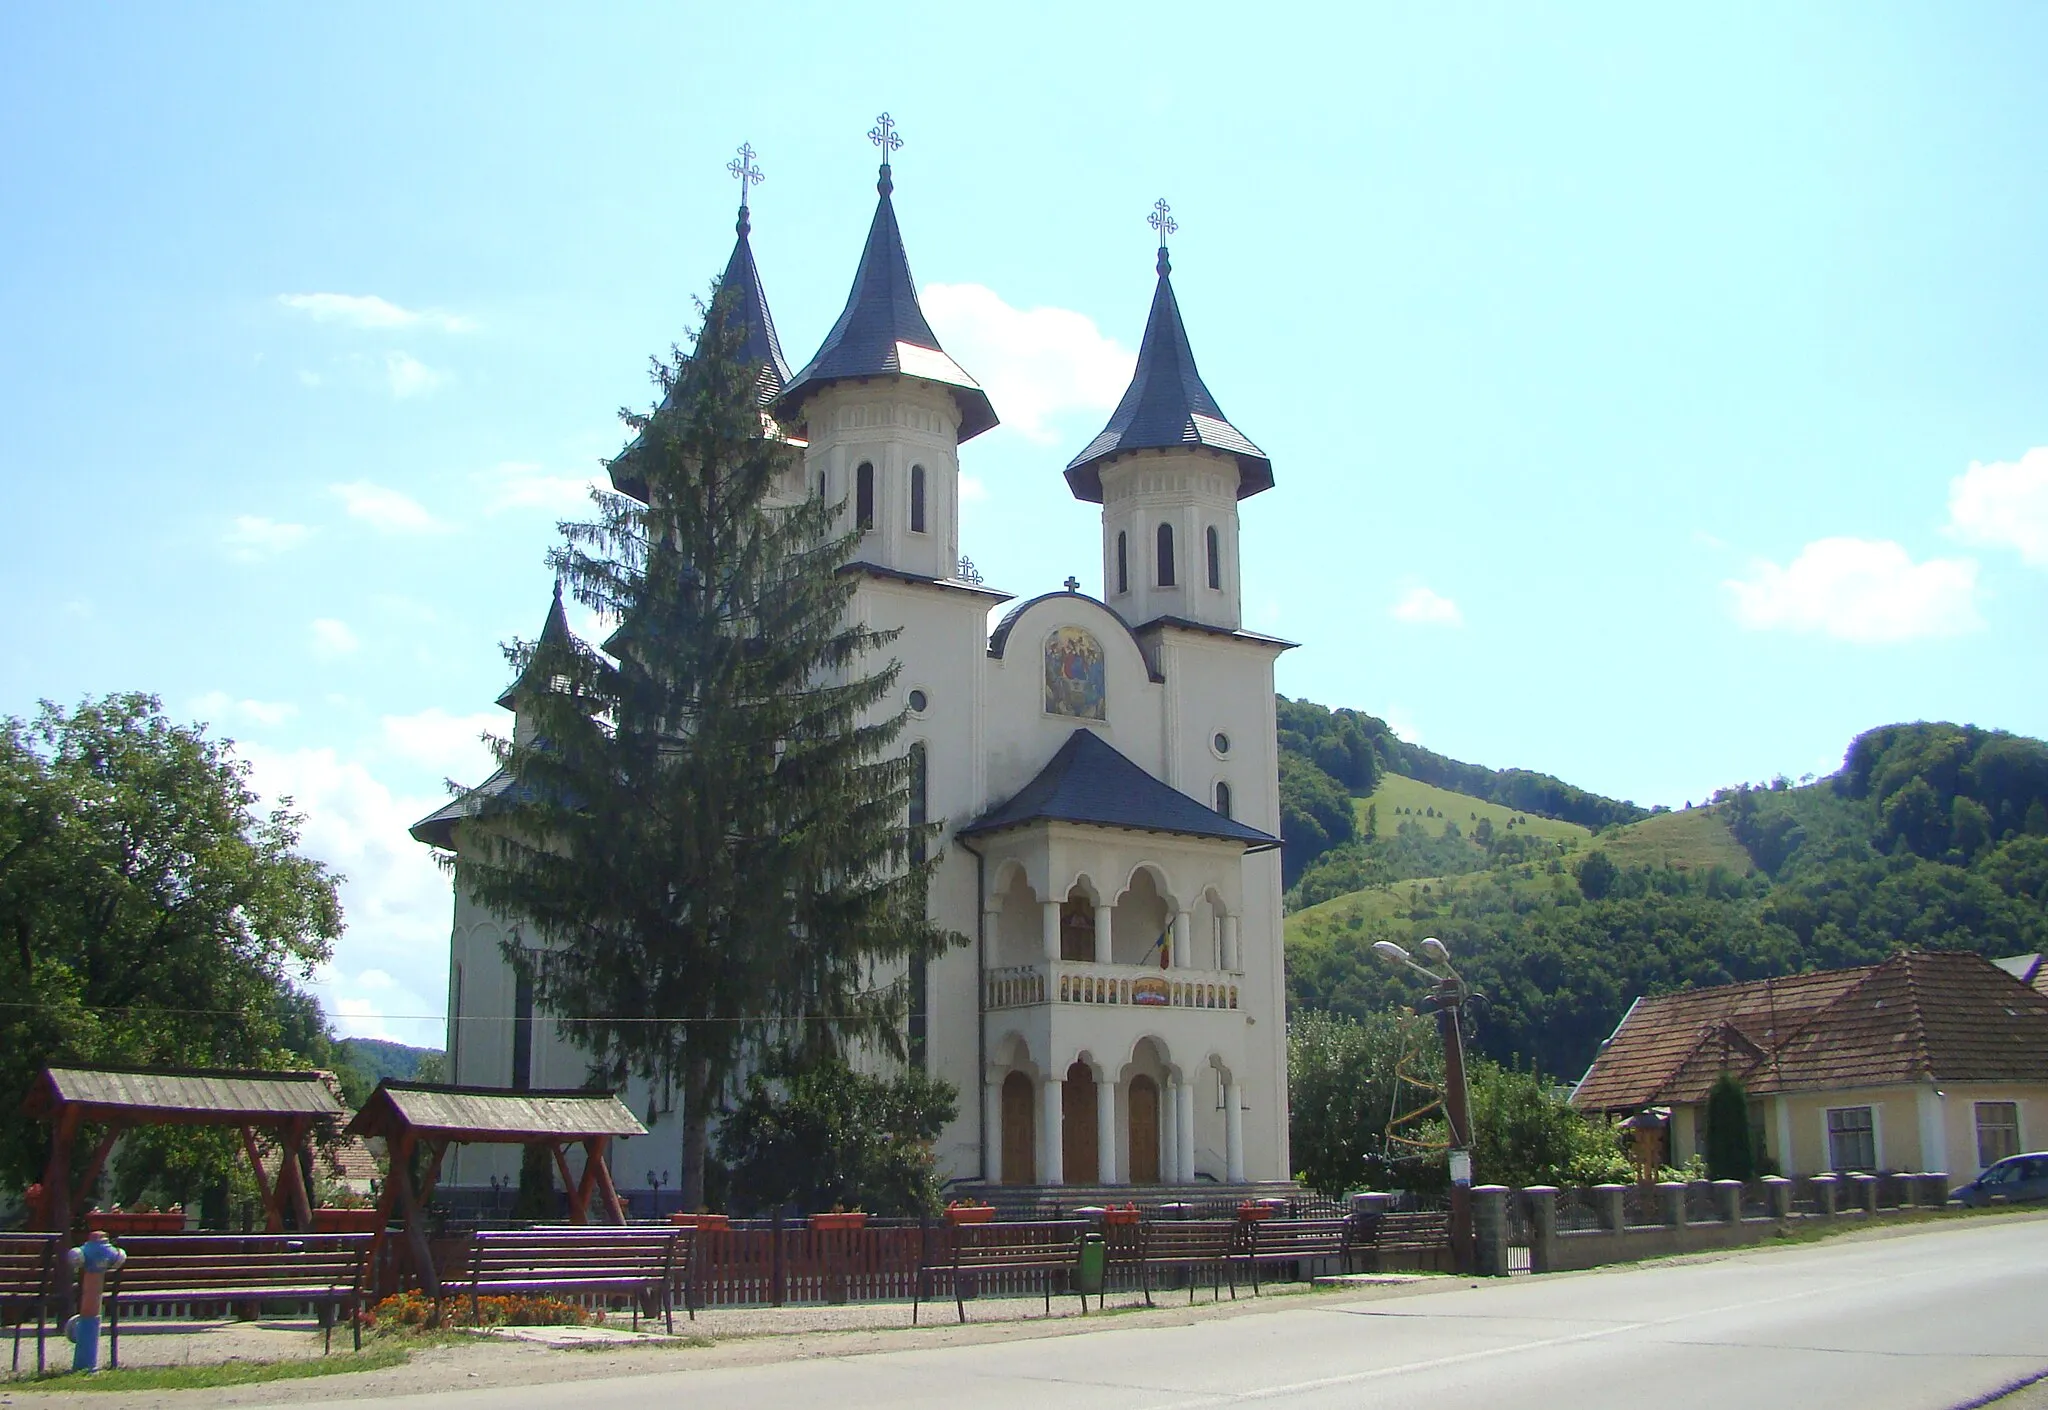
point(185, 1096)
point(1949, 1016)
point(491, 1114)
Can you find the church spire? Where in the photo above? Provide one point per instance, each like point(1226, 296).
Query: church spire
point(553, 633)
point(759, 342)
point(882, 331)
point(1167, 406)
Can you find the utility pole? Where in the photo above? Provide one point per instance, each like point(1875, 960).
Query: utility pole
point(1450, 994)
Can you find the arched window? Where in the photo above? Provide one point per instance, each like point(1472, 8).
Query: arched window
point(821, 484)
point(864, 497)
point(1166, 555)
point(920, 814)
point(917, 499)
point(1123, 562)
point(1215, 558)
point(1223, 799)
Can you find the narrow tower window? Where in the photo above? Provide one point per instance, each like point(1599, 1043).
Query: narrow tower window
point(917, 499)
point(1223, 799)
point(1166, 555)
point(522, 1028)
point(1123, 562)
point(864, 497)
point(920, 814)
point(821, 484)
point(1215, 558)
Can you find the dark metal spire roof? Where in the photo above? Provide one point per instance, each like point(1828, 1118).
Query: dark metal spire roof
point(1088, 781)
point(553, 632)
point(761, 345)
point(1166, 406)
point(883, 332)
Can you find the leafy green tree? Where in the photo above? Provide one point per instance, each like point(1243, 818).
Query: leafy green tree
point(1316, 814)
point(1969, 827)
point(824, 1136)
point(1525, 1133)
point(1342, 1095)
point(1596, 876)
point(708, 834)
point(151, 915)
point(1731, 1154)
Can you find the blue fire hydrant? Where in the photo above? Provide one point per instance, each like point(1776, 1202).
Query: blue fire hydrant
point(90, 1262)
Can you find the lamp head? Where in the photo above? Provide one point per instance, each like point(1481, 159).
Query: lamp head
point(1390, 952)
point(1434, 948)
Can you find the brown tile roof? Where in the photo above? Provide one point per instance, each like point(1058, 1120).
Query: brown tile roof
point(1921, 1016)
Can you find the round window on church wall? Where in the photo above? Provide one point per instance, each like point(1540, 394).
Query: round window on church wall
point(918, 701)
point(1221, 743)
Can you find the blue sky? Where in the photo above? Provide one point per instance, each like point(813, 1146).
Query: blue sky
point(1654, 400)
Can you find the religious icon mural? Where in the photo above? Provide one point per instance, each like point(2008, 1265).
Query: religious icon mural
point(1074, 675)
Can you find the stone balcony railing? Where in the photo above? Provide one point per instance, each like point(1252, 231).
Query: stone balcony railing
point(1127, 985)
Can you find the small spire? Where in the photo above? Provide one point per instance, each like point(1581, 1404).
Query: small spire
point(747, 174)
point(1162, 220)
point(883, 135)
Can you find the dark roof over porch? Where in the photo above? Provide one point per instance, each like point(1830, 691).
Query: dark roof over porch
point(183, 1096)
point(492, 1114)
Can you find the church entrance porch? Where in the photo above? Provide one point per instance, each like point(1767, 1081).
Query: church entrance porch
point(1144, 1130)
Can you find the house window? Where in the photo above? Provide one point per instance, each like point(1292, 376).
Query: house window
point(1852, 1138)
point(1166, 555)
point(1215, 558)
point(1123, 562)
point(864, 497)
point(1998, 1131)
point(1223, 799)
point(917, 499)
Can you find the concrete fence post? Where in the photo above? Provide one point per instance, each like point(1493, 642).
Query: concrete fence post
point(1613, 1216)
point(1542, 1227)
point(1370, 1202)
point(1671, 1201)
point(1490, 1230)
point(1824, 1196)
point(1934, 1189)
point(1728, 1200)
point(1866, 1193)
point(1779, 1191)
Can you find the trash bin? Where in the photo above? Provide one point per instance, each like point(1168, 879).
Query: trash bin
point(1091, 1267)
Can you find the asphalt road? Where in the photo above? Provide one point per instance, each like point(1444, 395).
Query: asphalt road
point(1928, 1319)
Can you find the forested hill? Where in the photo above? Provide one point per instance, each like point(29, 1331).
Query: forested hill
point(1329, 757)
point(1931, 836)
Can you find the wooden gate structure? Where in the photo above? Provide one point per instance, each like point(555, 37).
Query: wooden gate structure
point(286, 1107)
point(425, 1118)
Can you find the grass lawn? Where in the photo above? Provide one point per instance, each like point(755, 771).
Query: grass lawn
point(225, 1373)
point(1397, 792)
point(1694, 839)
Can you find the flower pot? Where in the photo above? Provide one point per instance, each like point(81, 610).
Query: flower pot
point(1254, 1211)
point(1119, 1216)
point(700, 1221)
point(347, 1221)
point(842, 1219)
point(130, 1222)
point(970, 1214)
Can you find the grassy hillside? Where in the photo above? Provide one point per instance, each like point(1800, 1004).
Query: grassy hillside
point(1398, 799)
point(1689, 841)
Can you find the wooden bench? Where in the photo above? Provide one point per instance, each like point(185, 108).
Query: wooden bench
point(1411, 1232)
point(639, 1264)
point(1273, 1241)
point(1043, 1247)
point(326, 1270)
point(28, 1284)
point(1194, 1246)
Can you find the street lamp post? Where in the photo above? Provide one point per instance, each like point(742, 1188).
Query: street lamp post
point(1450, 994)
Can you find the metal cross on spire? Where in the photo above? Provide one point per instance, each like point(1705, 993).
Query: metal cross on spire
point(1162, 220)
point(745, 172)
point(883, 135)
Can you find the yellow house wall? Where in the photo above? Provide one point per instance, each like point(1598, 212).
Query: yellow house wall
point(1896, 1113)
point(1959, 1120)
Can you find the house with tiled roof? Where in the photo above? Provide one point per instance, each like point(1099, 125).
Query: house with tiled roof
point(2030, 970)
point(1928, 1061)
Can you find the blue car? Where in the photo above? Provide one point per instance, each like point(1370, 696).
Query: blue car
point(2016, 1179)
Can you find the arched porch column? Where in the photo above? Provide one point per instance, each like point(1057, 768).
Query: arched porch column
point(991, 932)
point(1232, 960)
point(1105, 1130)
point(1184, 1130)
point(1051, 910)
point(1233, 1132)
point(1052, 1115)
point(1103, 912)
point(1169, 1132)
point(991, 1125)
point(1183, 940)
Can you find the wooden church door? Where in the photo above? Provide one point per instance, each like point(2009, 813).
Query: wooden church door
point(1020, 1131)
point(1144, 1104)
point(1077, 1127)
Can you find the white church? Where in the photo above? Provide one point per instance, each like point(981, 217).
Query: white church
point(1105, 770)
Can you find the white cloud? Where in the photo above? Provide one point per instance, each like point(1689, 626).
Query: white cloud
point(308, 378)
point(333, 638)
point(1037, 364)
point(524, 484)
point(407, 376)
point(389, 975)
point(251, 538)
point(1423, 607)
point(2004, 504)
point(370, 311)
point(1862, 590)
point(221, 708)
point(447, 744)
point(387, 510)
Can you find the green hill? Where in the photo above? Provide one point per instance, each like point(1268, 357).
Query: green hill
point(1692, 840)
point(1397, 797)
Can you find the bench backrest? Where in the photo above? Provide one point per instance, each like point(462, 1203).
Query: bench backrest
point(1411, 1226)
point(1306, 1238)
point(239, 1263)
point(1191, 1239)
point(27, 1262)
point(568, 1253)
point(1034, 1243)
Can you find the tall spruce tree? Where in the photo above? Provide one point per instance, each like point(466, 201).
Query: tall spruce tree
point(708, 832)
point(1731, 1152)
